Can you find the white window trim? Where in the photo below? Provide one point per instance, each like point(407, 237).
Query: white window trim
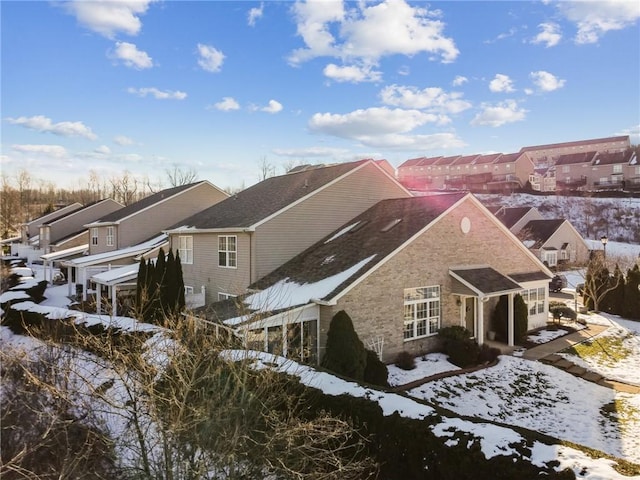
point(551, 257)
point(185, 249)
point(226, 251)
point(94, 236)
point(533, 299)
point(110, 236)
point(225, 296)
point(415, 321)
point(188, 290)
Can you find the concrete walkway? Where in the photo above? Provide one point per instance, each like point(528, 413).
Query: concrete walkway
point(547, 353)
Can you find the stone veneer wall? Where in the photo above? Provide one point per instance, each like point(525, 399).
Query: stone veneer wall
point(376, 305)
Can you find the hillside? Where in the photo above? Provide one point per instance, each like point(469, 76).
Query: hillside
point(617, 218)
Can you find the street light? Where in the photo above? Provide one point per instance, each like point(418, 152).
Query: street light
point(604, 241)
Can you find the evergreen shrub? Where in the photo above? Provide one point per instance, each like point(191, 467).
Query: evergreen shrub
point(405, 361)
point(345, 353)
point(375, 372)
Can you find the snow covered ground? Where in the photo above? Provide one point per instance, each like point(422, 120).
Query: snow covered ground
point(514, 392)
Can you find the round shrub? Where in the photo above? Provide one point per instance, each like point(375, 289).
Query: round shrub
point(405, 361)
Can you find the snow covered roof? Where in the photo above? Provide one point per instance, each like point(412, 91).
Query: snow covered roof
point(117, 254)
point(69, 252)
point(117, 275)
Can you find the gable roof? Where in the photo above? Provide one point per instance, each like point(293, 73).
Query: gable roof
point(511, 157)
point(572, 158)
point(55, 214)
point(509, 216)
point(81, 210)
point(484, 280)
point(467, 159)
point(540, 231)
point(269, 197)
point(136, 207)
point(411, 162)
point(447, 160)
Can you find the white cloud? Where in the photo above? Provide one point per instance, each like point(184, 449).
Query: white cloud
point(211, 59)
point(502, 36)
point(122, 140)
point(352, 73)
point(546, 81)
point(433, 99)
point(501, 83)
point(273, 107)
point(369, 32)
point(158, 94)
point(103, 150)
point(129, 54)
point(414, 142)
point(254, 14)
point(226, 104)
point(594, 19)
point(633, 132)
point(44, 124)
point(108, 17)
point(550, 34)
point(459, 80)
point(55, 151)
point(369, 122)
point(499, 114)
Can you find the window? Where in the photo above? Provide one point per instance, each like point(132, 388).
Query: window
point(617, 169)
point(227, 251)
point(225, 296)
point(188, 290)
point(550, 257)
point(534, 298)
point(185, 249)
point(94, 236)
point(421, 312)
point(566, 169)
point(110, 236)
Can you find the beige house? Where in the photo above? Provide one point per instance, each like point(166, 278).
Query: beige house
point(69, 231)
point(147, 218)
point(550, 153)
point(554, 242)
point(632, 173)
point(494, 172)
point(31, 229)
point(608, 171)
point(573, 170)
point(402, 269)
point(515, 218)
point(230, 245)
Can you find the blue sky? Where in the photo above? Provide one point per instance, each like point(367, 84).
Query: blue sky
point(219, 87)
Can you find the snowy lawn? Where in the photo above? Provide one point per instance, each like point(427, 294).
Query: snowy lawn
point(426, 366)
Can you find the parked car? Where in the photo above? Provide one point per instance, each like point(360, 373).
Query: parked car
point(557, 283)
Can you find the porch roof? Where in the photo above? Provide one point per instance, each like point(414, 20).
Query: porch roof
point(483, 281)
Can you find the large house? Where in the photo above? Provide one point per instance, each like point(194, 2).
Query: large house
point(554, 241)
point(550, 153)
point(594, 170)
point(69, 231)
point(495, 172)
point(146, 218)
point(230, 245)
point(29, 230)
point(401, 270)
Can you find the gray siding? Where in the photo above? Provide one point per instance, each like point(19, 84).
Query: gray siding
point(296, 229)
point(204, 271)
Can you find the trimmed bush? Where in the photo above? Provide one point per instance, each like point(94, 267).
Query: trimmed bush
point(562, 311)
point(500, 318)
point(488, 354)
point(376, 372)
point(345, 353)
point(405, 361)
point(454, 332)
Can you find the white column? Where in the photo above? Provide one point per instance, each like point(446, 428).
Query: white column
point(69, 280)
point(510, 322)
point(114, 304)
point(481, 319)
point(99, 299)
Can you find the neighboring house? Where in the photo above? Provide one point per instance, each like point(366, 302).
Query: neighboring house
point(550, 153)
point(608, 170)
point(554, 242)
point(632, 173)
point(401, 270)
point(573, 170)
point(543, 179)
point(230, 245)
point(148, 217)
point(80, 269)
point(494, 172)
point(30, 229)
point(515, 218)
point(69, 231)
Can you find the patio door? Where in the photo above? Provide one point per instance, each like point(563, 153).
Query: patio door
point(470, 314)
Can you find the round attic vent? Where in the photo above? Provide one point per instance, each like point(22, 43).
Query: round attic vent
point(465, 225)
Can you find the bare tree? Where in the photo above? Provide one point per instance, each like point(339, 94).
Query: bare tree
point(124, 188)
point(9, 208)
point(598, 281)
point(266, 169)
point(181, 176)
point(289, 164)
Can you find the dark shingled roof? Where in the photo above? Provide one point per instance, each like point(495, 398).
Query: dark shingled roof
point(528, 277)
point(572, 158)
point(467, 159)
point(490, 158)
point(411, 162)
point(447, 160)
point(266, 198)
point(486, 280)
point(145, 202)
point(509, 157)
point(540, 231)
point(510, 216)
point(367, 238)
point(613, 158)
